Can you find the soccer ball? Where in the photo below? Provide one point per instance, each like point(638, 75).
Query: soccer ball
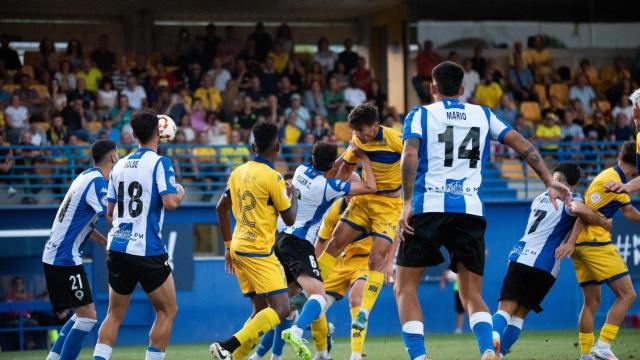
point(166, 128)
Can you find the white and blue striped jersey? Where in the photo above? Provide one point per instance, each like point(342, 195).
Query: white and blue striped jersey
point(83, 205)
point(546, 230)
point(137, 184)
point(317, 193)
point(454, 147)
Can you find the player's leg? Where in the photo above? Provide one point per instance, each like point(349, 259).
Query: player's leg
point(501, 318)
point(375, 279)
point(625, 296)
point(277, 343)
point(85, 320)
point(357, 336)
point(345, 233)
point(108, 332)
point(163, 300)
point(459, 312)
point(311, 310)
point(591, 295)
point(56, 349)
point(512, 331)
point(266, 340)
point(409, 310)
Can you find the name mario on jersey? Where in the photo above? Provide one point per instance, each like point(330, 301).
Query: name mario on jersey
point(456, 115)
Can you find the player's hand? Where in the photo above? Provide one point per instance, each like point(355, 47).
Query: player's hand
point(181, 191)
point(404, 226)
point(389, 274)
point(357, 151)
point(291, 190)
point(563, 250)
point(558, 190)
point(228, 263)
point(616, 188)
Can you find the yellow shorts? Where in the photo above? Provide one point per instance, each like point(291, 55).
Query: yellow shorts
point(346, 272)
point(598, 264)
point(259, 276)
point(374, 214)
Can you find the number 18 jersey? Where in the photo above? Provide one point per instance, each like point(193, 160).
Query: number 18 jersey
point(137, 184)
point(454, 146)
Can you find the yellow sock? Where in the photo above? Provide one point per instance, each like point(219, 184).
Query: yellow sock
point(372, 288)
point(357, 336)
point(608, 333)
point(263, 321)
point(245, 349)
point(320, 331)
point(586, 342)
point(326, 263)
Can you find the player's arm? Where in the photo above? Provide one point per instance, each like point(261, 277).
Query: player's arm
point(630, 213)
point(98, 238)
point(224, 220)
point(348, 162)
point(567, 248)
point(289, 215)
point(171, 193)
point(589, 216)
point(408, 168)
point(388, 264)
point(172, 201)
point(368, 186)
point(620, 188)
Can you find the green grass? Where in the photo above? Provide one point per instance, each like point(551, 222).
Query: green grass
point(534, 345)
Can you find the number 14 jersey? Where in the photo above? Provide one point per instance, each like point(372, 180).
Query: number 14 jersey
point(454, 147)
point(136, 186)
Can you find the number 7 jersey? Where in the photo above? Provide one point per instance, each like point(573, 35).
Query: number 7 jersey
point(136, 186)
point(454, 147)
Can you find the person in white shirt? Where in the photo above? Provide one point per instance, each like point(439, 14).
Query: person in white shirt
point(219, 74)
point(584, 92)
point(470, 80)
point(135, 93)
point(354, 95)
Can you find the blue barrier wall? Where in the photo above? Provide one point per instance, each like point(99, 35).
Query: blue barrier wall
point(214, 307)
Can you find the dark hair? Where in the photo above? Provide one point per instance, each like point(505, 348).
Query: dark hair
point(265, 136)
point(570, 171)
point(145, 125)
point(323, 156)
point(363, 114)
point(448, 77)
point(100, 149)
point(288, 176)
point(628, 152)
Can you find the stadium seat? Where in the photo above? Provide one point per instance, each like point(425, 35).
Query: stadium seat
point(604, 105)
point(42, 90)
point(10, 88)
point(44, 126)
point(343, 131)
point(541, 91)
point(512, 170)
point(94, 126)
point(560, 91)
point(531, 111)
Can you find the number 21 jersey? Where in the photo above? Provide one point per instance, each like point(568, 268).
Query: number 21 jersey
point(136, 187)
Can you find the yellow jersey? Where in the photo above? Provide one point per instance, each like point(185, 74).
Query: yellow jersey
point(210, 97)
point(638, 153)
point(604, 203)
point(234, 155)
point(384, 152)
point(362, 246)
point(257, 192)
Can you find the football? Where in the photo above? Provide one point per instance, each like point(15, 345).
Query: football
point(166, 128)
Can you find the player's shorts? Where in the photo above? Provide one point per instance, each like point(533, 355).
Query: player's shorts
point(458, 303)
point(598, 264)
point(68, 286)
point(297, 256)
point(346, 272)
point(526, 285)
point(126, 271)
point(374, 214)
point(259, 275)
point(461, 234)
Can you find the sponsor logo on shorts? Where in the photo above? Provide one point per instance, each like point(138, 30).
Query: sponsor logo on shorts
point(79, 294)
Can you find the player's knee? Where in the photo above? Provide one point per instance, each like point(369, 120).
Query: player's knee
point(283, 310)
point(376, 261)
point(355, 300)
point(630, 296)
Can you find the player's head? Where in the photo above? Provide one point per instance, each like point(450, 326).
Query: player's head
point(145, 126)
point(323, 156)
point(447, 80)
point(104, 152)
point(365, 121)
point(265, 139)
point(635, 102)
point(567, 173)
point(628, 154)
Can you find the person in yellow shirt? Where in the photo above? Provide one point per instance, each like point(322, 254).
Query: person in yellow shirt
point(279, 57)
point(540, 57)
point(549, 133)
point(597, 260)
point(256, 194)
point(91, 75)
point(237, 153)
point(209, 94)
point(489, 92)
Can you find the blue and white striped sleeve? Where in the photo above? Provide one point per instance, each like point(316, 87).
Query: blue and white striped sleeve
point(414, 123)
point(165, 177)
point(112, 196)
point(96, 196)
point(337, 188)
point(497, 127)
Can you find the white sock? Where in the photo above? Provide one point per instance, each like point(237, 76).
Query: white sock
point(103, 351)
point(297, 331)
point(324, 353)
point(603, 344)
point(356, 356)
point(53, 356)
point(255, 357)
point(276, 357)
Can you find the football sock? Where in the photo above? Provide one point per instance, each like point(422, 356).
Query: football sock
point(372, 288)
point(510, 334)
point(357, 336)
point(311, 310)
point(245, 349)
point(265, 344)
point(102, 352)
point(482, 327)
point(73, 343)
point(263, 321)
point(355, 356)
point(56, 349)
point(413, 338)
point(278, 343)
point(586, 342)
point(320, 331)
point(500, 320)
point(607, 335)
point(326, 262)
point(154, 354)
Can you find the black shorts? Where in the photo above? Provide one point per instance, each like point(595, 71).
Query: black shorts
point(526, 285)
point(461, 234)
point(297, 256)
point(458, 303)
point(126, 271)
point(68, 286)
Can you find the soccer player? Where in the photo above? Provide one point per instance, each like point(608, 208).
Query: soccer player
point(318, 189)
point(375, 214)
point(67, 282)
point(256, 193)
point(533, 267)
point(597, 261)
point(142, 186)
point(446, 145)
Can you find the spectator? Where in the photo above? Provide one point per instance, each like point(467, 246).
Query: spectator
point(26, 156)
point(290, 133)
point(91, 75)
point(232, 45)
point(520, 81)
point(58, 98)
point(102, 56)
point(294, 75)
point(107, 96)
point(108, 132)
point(65, 76)
point(623, 129)
point(197, 56)
point(506, 111)
point(257, 95)
point(478, 62)
point(216, 132)
point(584, 92)
point(362, 75)
point(6, 162)
point(578, 110)
point(219, 74)
point(426, 60)
point(549, 133)
point(16, 117)
point(203, 162)
point(540, 58)
point(262, 41)
point(178, 105)
point(121, 114)
point(315, 74)
point(498, 75)
point(195, 76)
point(589, 71)
point(623, 106)
point(29, 97)
point(554, 107)
point(135, 93)
point(186, 129)
point(348, 57)
point(161, 74)
point(231, 100)
point(209, 94)
point(180, 155)
point(82, 93)
point(470, 80)
point(74, 54)
point(454, 57)
point(284, 93)
point(335, 102)
point(19, 293)
point(236, 154)
point(49, 58)
point(275, 111)
point(569, 130)
point(341, 74)
point(183, 48)
point(9, 56)
point(279, 57)
point(620, 71)
point(285, 37)
point(303, 117)
point(74, 118)
point(319, 128)
point(353, 95)
point(121, 74)
point(518, 53)
point(162, 97)
point(314, 100)
point(243, 76)
point(269, 78)
point(324, 56)
point(596, 129)
point(211, 41)
point(198, 114)
point(377, 97)
point(488, 92)
point(249, 56)
point(523, 127)
point(5, 96)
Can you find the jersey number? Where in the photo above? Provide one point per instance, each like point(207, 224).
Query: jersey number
point(539, 215)
point(247, 197)
point(76, 282)
point(473, 155)
point(135, 204)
